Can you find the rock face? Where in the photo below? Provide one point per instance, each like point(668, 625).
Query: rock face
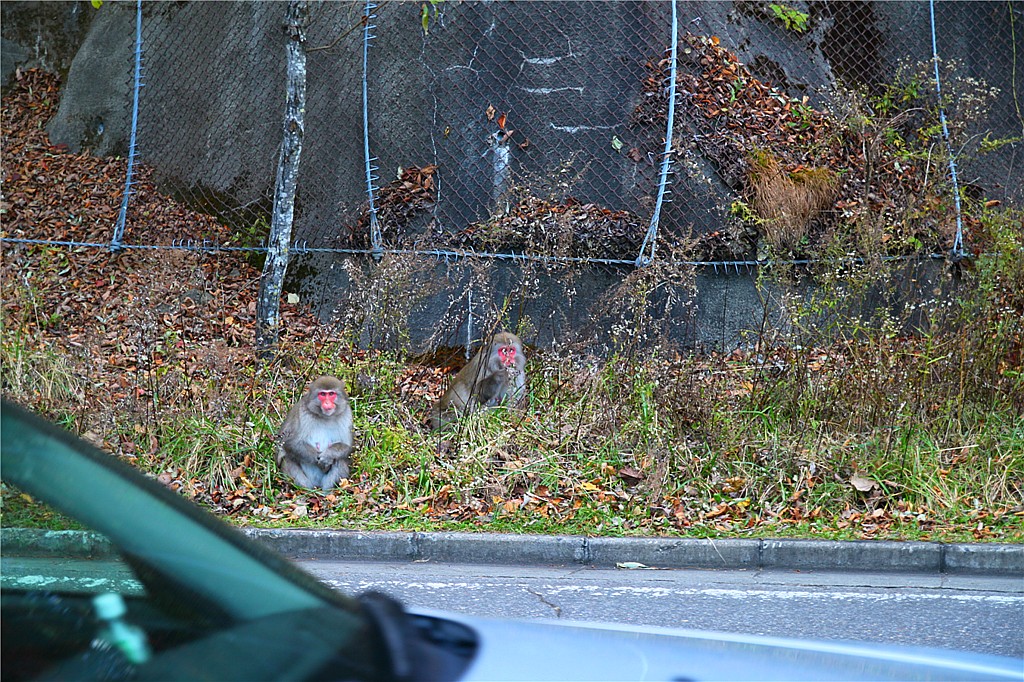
point(42, 34)
point(209, 118)
point(214, 73)
point(92, 49)
point(95, 106)
point(568, 76)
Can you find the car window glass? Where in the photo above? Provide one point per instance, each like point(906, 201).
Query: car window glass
point(78, 561)
point(50, 579)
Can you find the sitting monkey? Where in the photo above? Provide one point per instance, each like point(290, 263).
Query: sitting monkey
point(495, 374)
point(315, 440)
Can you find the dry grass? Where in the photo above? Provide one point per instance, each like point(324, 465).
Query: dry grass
point(787, 202)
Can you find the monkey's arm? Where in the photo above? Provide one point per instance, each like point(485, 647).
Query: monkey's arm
point(492, 389)
point(442, 415)
point(330, 457)
point(289, 455)
point(335, 473)
point(296, 449)
point(339, 450)
point(517, 388)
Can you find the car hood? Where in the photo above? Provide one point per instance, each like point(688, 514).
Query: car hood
point(543, 650)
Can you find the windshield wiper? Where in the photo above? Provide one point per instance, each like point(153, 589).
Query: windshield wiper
point(419, 647)
point(395, 630)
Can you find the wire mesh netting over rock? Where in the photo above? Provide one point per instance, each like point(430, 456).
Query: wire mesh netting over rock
point(803, 131)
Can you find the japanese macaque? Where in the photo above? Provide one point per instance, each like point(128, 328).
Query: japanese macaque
point(495, 374)
point(315, 441)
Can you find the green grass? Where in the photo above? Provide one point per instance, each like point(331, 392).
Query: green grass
point(616, 461)
point(761, 442)
point(21, 510)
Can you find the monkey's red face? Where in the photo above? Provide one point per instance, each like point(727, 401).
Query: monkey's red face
point(507, 355)
point(327, 400)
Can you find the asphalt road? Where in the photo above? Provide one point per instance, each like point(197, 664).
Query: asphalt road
point(972, 613)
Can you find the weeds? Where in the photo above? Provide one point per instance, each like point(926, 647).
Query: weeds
point(879, 421)
point(858, 409)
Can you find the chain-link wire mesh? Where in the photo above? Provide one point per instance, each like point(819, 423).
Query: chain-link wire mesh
point(532, 136)
point(521, 109)
point(197, 126)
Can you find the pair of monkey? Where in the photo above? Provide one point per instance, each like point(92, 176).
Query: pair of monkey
point(315, 441)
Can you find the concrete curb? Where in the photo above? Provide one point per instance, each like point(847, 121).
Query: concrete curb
point(566, 550)
point(31, 542)
point(600, 552)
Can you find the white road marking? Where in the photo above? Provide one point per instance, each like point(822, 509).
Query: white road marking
point(663, 592)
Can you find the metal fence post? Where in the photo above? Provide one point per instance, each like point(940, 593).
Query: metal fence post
point(376, 244)
point(646, 254)
point(122, 215)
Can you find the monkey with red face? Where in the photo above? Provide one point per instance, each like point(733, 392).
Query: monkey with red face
point(495, 374)
point(315, 440)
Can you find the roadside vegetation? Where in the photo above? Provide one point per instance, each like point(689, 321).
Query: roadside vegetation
point(837, 419)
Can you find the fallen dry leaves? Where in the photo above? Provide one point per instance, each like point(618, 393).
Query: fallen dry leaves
point(123, 319)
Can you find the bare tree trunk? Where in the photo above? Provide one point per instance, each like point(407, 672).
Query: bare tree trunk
point(268, 313)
